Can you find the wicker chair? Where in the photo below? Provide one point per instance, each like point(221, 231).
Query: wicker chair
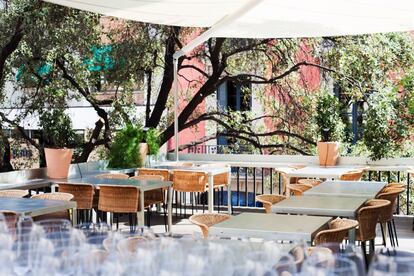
point(337, 232)
point(11, 218)
point(298, 189)
point(119, 200)
point(13, 193)
point(204, 221)
point(54, 196)
point(396, 185)
point(368, 218)
point(189, 182)
point(312, 182)
point(153, 197)
point(130, 245)
point(113, 175)
point(83, 195)
point(352, 175)
point(391, 194)
point(269, 200)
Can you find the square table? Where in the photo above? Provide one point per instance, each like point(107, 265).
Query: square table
point(142, 185)
point(37, 207)
point(364, 189)
point(271, 226)
point(343, 206)
point(211, 172)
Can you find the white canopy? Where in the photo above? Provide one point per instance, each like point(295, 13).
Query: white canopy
point(258, 19)
point(264, 18)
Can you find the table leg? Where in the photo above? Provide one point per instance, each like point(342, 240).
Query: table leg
point(169, 209)
point(287, 190)
point(74, 217)
point(141, 213)
point(351, 236)
point(210, 193)
point(53, 188)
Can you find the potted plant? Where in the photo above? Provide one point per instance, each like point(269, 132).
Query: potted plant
point(329, 128)
point(131, 146)
point(58, 139)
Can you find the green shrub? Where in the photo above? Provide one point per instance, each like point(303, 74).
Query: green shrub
point(57, 129)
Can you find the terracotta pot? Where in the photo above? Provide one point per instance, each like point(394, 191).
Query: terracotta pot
point(143, 151)
point(58, 162)
point(328, 153)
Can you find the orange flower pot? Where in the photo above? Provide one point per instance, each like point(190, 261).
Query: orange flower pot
point(58, 162)
point(328, 153)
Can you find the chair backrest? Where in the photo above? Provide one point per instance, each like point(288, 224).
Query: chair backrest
point(13, 193)
point(368, 217)
point(148, 177)
point(82, 194)
point(161, 172)
point(338, 230)
point(352, 176)
point(54, 196)
point(268, 200)
point(395, 185)
point(222, 178)
point(113, 175)
point(188, 181)
point(298, 189)
point(390, 194)
point(118, 199)
point(204, 221)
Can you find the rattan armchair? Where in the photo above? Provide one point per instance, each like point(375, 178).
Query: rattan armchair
point(337, 232)
point(268, 200)
point(54, 196)
point(395, 185)
point(204, 221)
point(13, 193)
point(298, 189)
point(11, 219)
point(387, 216)
point(153, 197)
point(312, 182)
point(189, 182)
point(113, 175)
point(83, 195)
point(352, 175)
point(368, 218)
point(119, 200)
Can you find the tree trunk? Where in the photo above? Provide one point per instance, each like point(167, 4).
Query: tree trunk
point(6, 165)
point(91, 144)
point(148, 103)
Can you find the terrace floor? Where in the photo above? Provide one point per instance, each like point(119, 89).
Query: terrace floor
point(182, 226)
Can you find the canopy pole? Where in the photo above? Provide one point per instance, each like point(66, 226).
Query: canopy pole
point(175, 62)
point(196, 42)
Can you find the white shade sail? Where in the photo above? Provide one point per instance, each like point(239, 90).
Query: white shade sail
point(258, 19)
point(265, 18)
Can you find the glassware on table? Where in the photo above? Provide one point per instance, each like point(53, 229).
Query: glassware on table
point(392, 262)
point(347, 251)
point(328, 264)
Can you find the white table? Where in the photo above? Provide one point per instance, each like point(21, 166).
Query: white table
point(142, 185)
point(271, 226)
point(211, 172)
point(364, 189)
point(37, 207)
point(343, 206)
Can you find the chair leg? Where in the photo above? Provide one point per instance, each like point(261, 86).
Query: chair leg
point(364, 251)
point(395, 231)
point(218, 200)
point(148, 217)
point(390, 233)
point(384, 242)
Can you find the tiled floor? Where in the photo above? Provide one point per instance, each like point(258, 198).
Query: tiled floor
point(182, 226)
